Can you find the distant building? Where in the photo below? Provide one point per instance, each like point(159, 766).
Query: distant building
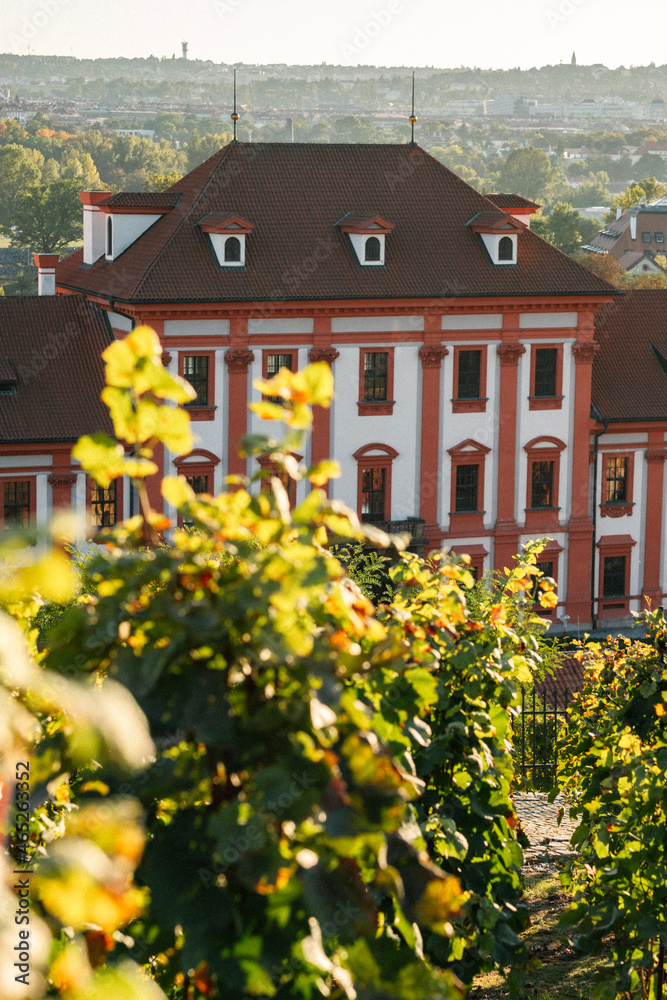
point(640, 230)
point(477, 369)
point(143, 133)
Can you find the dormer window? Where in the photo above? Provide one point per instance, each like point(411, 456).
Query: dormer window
point(372, 250)
point(505, 249)
point(367, 234)
point(232, 250)
point(499, 233)
point(129, 215)
point(227, 234)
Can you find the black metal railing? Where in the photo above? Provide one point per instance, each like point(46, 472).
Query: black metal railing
point(538, 732)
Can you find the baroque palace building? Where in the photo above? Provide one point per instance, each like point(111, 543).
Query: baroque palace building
point(474, 406)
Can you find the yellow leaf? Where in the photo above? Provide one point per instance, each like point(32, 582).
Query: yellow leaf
point(268, 411)
point(659, 709)
point(177, 491)
point(53, 578)
point(120, 361)
point(144, 342)
point(441, 900)
point(318, 378)
point(123, 416)
point(164, 385)
point(174, 430)
point(139, 468)
point(323, 472)
point(101, 456)
point(548, 599)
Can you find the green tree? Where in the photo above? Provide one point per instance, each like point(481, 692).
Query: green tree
point(648, 189)
point(160, 182)
point(47, 219)
point(593, 192)
point(81, 168)
point(566, 228)
point(20, 169)
point(650, 165)
point(526, 171)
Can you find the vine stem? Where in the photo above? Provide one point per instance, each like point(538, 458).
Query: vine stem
point(661, 971)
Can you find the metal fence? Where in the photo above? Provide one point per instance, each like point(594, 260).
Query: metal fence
point(537, 732)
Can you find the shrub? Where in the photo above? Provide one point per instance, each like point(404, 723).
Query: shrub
point(612, 769)
point(309, 753)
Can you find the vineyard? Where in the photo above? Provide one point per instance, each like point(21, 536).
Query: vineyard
point(227, 773)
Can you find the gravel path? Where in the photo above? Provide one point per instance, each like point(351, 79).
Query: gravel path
point(539, 819)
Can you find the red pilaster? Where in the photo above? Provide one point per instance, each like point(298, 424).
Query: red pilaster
point(507, 531)
point(431, 355)
point(154, 483)
point(580, 528)
point(238, 359)
point(655, 476)
point(61, 481)
point(322, 350)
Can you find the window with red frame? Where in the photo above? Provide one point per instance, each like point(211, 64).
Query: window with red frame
point(273, 361)
point(616, 480)
point(546, 369)
point(271, 469)
point(376, 381)
point(546, 377)
point(375, 376)
point(374, 469)
point(104, 504)
point(199, 483)
point(469, 374)
point(196, 372)
point(373, 494)
point(16, 512)
point(614, 575)
point(542, 484)
point(467, 488)
point(199, 370)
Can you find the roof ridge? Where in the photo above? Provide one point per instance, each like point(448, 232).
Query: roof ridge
point(224, 150)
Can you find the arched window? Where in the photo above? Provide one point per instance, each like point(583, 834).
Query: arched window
point(373, 250)
point(506, 249)
point(374, 466)
point(233, 249)
point(109, 237)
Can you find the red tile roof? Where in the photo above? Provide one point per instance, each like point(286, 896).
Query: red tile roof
point(52, 344)
point(512, 201)
point(495, 221)
point(294, 193)
point(220, 221)
point(629, 382)
point(139, 199)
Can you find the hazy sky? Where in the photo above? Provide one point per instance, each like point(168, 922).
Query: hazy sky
point(486, 33)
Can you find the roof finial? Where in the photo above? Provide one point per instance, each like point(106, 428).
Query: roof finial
point(235, 114)
point(413, 117)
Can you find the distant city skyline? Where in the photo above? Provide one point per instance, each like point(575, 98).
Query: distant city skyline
point(439, 33)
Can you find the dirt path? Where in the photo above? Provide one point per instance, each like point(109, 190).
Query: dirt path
point(539, 819)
